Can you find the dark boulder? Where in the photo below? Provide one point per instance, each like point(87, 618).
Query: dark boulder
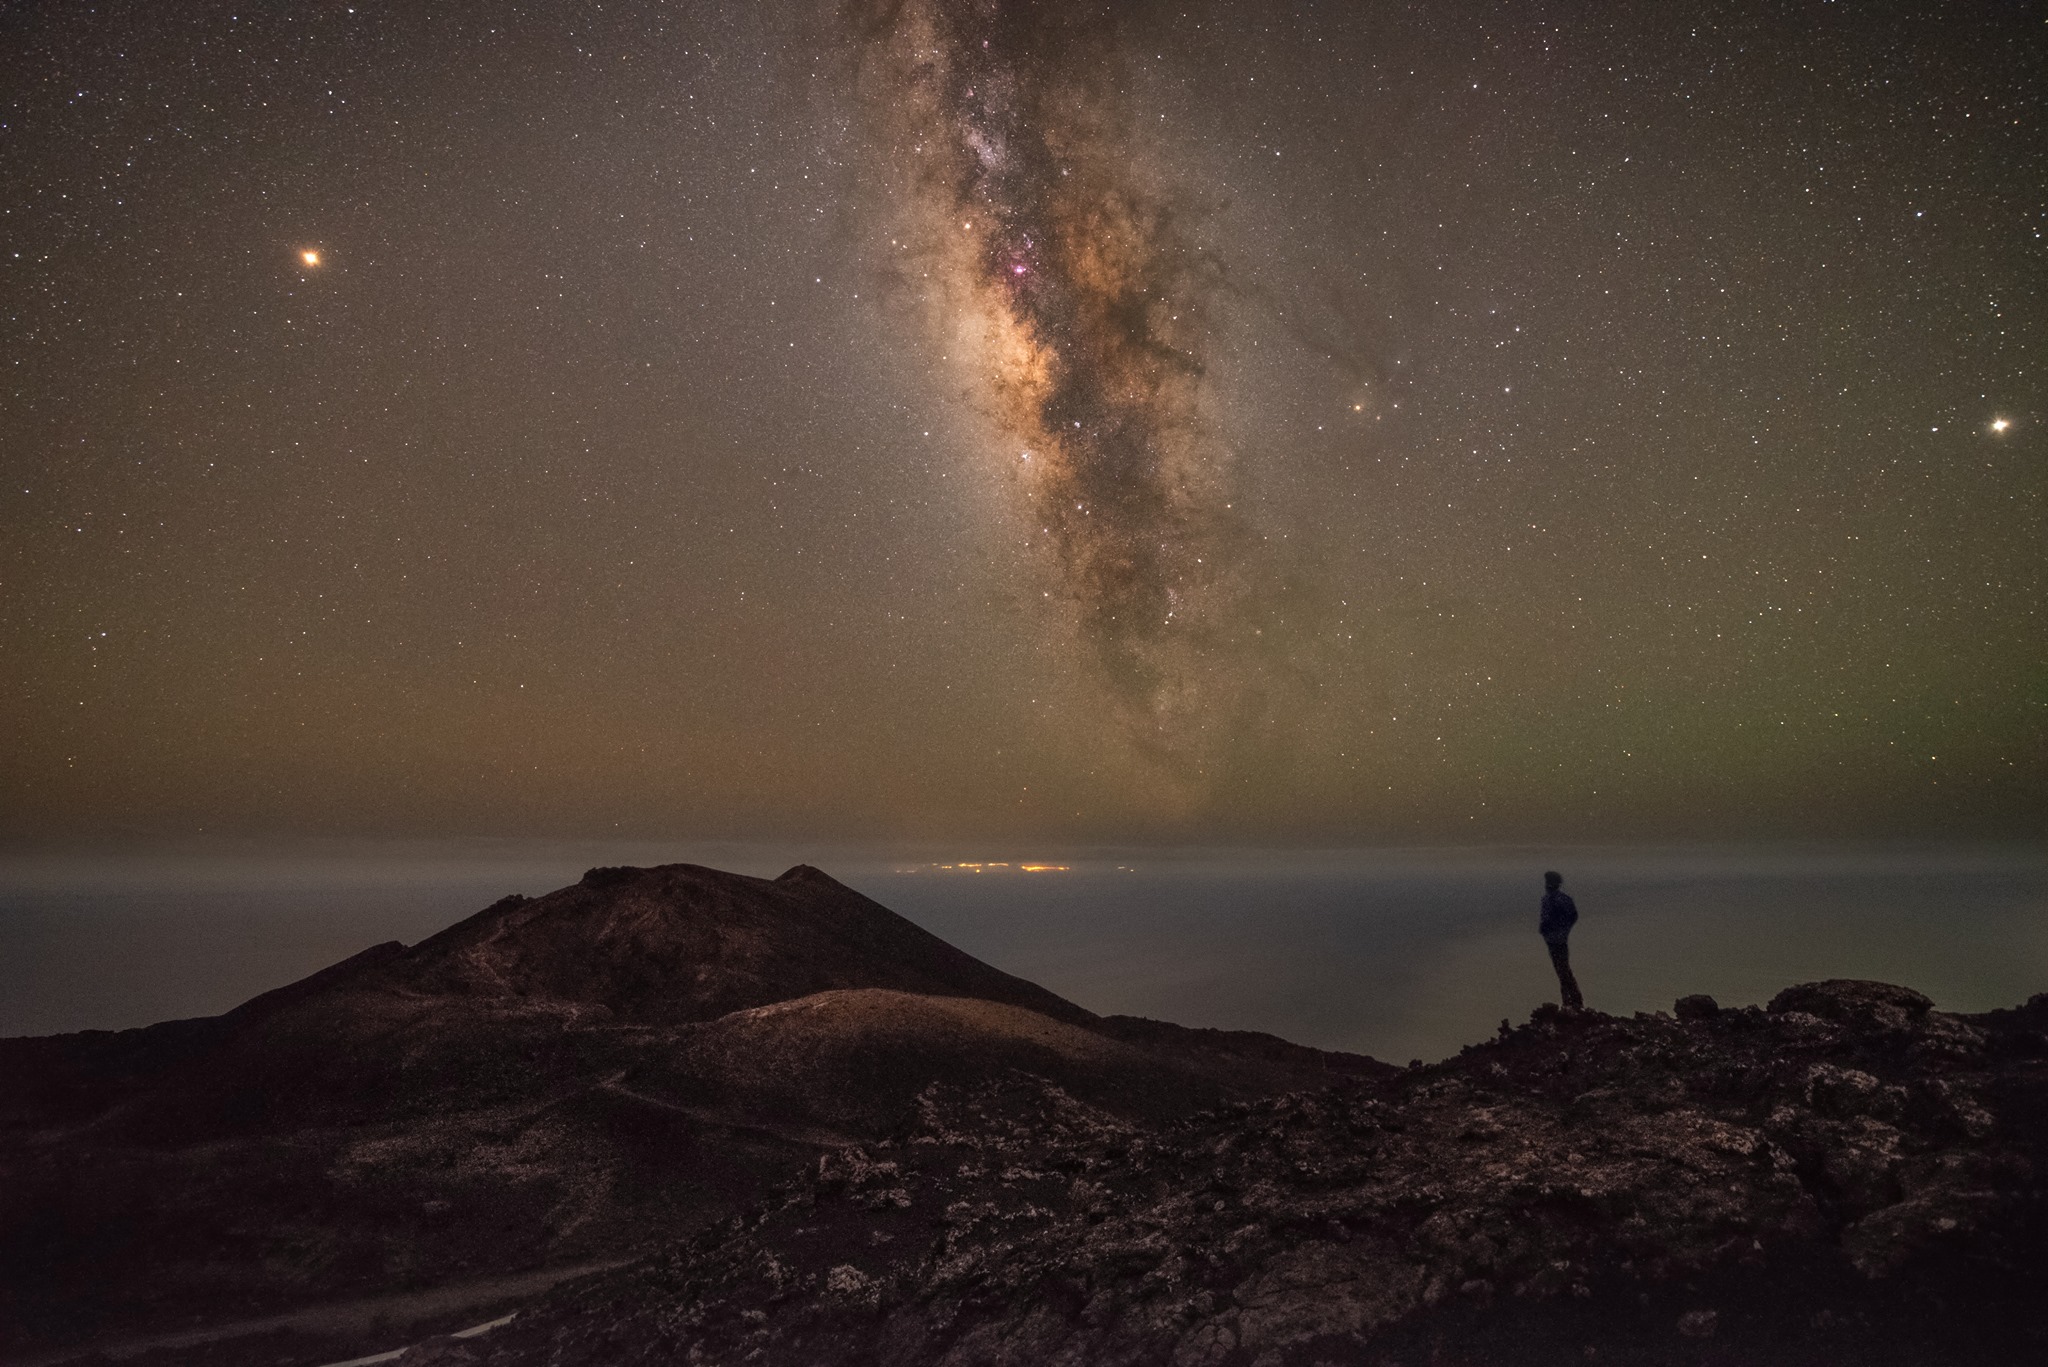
point(1853, 1000)
point(1697, 1007)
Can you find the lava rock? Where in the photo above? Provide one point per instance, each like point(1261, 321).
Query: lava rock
point(1697, 1007)
point(1582, 1182)
point(1852, 1000)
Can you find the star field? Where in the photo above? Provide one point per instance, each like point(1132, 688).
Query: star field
point(541, 419)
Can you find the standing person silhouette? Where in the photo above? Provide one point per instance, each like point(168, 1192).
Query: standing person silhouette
point(1560, 914)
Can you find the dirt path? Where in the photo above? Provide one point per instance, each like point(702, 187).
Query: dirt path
point(341, 1319)
point(396, 1353)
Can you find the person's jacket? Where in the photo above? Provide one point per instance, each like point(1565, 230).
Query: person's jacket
point(1560, 914)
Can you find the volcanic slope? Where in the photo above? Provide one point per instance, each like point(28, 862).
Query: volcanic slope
point(543, 1083)
point(1849, 1176)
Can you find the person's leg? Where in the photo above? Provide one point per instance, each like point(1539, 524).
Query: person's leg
point(1567, 985)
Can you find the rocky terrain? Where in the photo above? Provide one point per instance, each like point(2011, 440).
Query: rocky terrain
point(1849, 1176)
point(793, 1128)
point(555, 1081)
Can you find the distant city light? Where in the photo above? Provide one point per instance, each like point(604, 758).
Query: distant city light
point(995, 866)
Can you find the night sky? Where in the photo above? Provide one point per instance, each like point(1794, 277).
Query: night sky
point(1004, 421)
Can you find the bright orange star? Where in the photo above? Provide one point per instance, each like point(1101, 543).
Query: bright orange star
point(310, 257)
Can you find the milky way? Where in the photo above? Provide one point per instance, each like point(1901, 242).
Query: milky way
point(1061, 276)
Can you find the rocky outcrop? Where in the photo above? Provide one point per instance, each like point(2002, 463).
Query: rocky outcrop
point(1848, 1176)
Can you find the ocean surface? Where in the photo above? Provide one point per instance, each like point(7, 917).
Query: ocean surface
point(1400, 954)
